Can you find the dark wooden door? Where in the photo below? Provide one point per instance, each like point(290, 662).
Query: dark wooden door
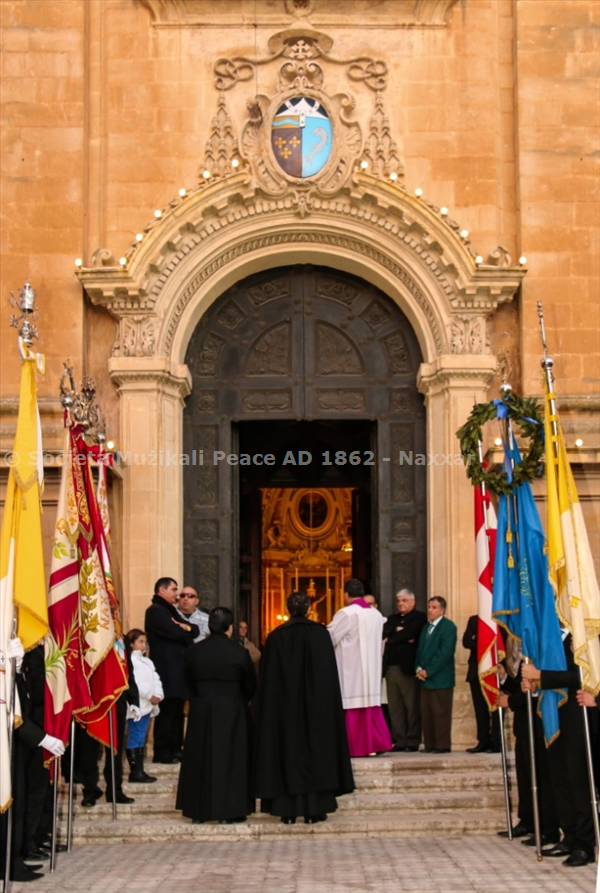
point(308, 343)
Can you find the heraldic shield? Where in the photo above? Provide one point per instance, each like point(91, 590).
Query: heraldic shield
point(301, 137)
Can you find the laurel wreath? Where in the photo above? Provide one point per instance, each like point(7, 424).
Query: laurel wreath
point(525, 413)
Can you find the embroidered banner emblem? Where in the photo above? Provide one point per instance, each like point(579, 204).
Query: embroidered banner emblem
point(301, 137)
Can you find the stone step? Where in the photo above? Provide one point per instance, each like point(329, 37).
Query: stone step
point(343, 824)
point(356, 803)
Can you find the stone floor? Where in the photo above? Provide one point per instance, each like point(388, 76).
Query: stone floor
point(471, 864)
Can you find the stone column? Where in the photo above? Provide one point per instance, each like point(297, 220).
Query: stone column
point(151, 392)
point(452, 384)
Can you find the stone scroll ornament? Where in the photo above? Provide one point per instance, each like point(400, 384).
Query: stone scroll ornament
point(525, 413)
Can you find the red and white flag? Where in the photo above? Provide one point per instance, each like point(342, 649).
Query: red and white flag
point(490, 648)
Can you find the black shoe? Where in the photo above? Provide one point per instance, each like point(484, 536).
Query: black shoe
point(88, 801)
point(34, 854)
point(427, 750)
point(545, 839)
point(410, 749)
point(288, 820)
point(178, 757)
point(232, 821)
point(120, 798)
point(441, 750)
point(23, 873)
point(165, 758)
point(519, 830)
point(579, 857)
point(60, 847)
point(397, 749)
point(313, 819)
point(481, 748)
point(559, 849)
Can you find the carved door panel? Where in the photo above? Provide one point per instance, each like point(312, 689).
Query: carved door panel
point(303, 343)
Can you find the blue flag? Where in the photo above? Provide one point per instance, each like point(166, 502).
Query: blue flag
point(523, 598)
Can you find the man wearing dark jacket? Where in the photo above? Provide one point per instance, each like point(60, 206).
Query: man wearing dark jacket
point(302, 755)
point(402, 631)
point(169, 637)
point(488, 727)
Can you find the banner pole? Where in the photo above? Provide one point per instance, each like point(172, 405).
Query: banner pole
point(530, 726)
point(11, 728)
point(71, 786)
point(112, 765)
point(54, 816)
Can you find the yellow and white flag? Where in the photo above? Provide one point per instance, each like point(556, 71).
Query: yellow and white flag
point(22, 576)
point(570, 558)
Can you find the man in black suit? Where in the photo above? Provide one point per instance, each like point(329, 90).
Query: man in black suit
point(402, 631)
point(488, 727)
point(169, 638)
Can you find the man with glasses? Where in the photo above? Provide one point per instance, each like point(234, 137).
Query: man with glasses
point(188, 607)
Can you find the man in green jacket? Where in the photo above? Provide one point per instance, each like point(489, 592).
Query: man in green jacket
point(435, 670)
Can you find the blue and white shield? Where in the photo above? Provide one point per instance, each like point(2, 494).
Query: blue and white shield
point(301, 137)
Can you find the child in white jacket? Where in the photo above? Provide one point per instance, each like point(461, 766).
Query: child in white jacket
point(151, 694)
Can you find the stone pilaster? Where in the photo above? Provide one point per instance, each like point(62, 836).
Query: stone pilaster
point(152, 393)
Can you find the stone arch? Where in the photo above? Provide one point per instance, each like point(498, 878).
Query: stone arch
point(227, 229)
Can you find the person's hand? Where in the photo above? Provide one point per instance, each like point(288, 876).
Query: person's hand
point(136, 713)
point(530, 671)
point(501, 673)
point(421, 674)
point(184, 626)
point(585, 699)
point(502, 701)
point(528, 685)
point(155, 699)
point(15, 651)
point(52, 745)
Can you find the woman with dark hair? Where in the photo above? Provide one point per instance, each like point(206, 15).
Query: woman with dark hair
point(214, 783)
point(302, 758)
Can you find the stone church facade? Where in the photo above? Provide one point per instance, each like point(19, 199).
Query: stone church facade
point(451, 184)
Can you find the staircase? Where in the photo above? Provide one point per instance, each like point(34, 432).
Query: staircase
point(398, 795)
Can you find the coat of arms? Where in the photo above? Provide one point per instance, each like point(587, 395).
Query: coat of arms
point(301, 136)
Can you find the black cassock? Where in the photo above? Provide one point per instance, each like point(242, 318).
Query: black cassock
point(302, 756)
point(214, 782)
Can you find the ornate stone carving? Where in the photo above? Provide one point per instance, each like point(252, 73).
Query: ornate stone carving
point(206, 531)
point(340, 400)
point(206, 574)
point(206, 490)
point(400, 400)
point(269, 291)
point(469, 335)
point(103, 257)
point(137, 337)
point(380, 149)
point(207, 360)
point(403, 529)
point(403, 476)
point(272, 400)
point(336, 354)
point(271, 354)
point(375, 315)
point(333, 289)
point(499, 257)
point(403, 570)
point(397, 354)
point(231, 315)
point(221, 146)
point(206, 401)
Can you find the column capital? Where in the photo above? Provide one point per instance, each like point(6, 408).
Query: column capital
point(150, 373)
point(460, 372)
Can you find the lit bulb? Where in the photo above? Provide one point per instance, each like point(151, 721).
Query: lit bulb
point(235, 162)
point(78, 262)
point(479, 259)
point(285, 617)
point(364, 164)
point(579, 442)
point(498, 441)
point(393, 176)
point(139, 237)
point(182, 192)
point(464, 233)
point(522, 260)
point(418, 192)
point(122, 261)
point(110, 444)
point(278, 617)
point(158, 213)
point(443, 211)
point(206, 175)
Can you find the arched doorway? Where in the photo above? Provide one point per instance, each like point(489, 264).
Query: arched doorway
point(275, 357)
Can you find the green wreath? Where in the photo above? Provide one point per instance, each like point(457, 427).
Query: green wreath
point(524, 412)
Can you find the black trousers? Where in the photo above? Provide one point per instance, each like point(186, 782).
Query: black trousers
point(488, 724)
point(168, 728)
point(571, 787)
point(546, 801)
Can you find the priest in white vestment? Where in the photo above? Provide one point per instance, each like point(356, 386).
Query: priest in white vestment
point(357, 635)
